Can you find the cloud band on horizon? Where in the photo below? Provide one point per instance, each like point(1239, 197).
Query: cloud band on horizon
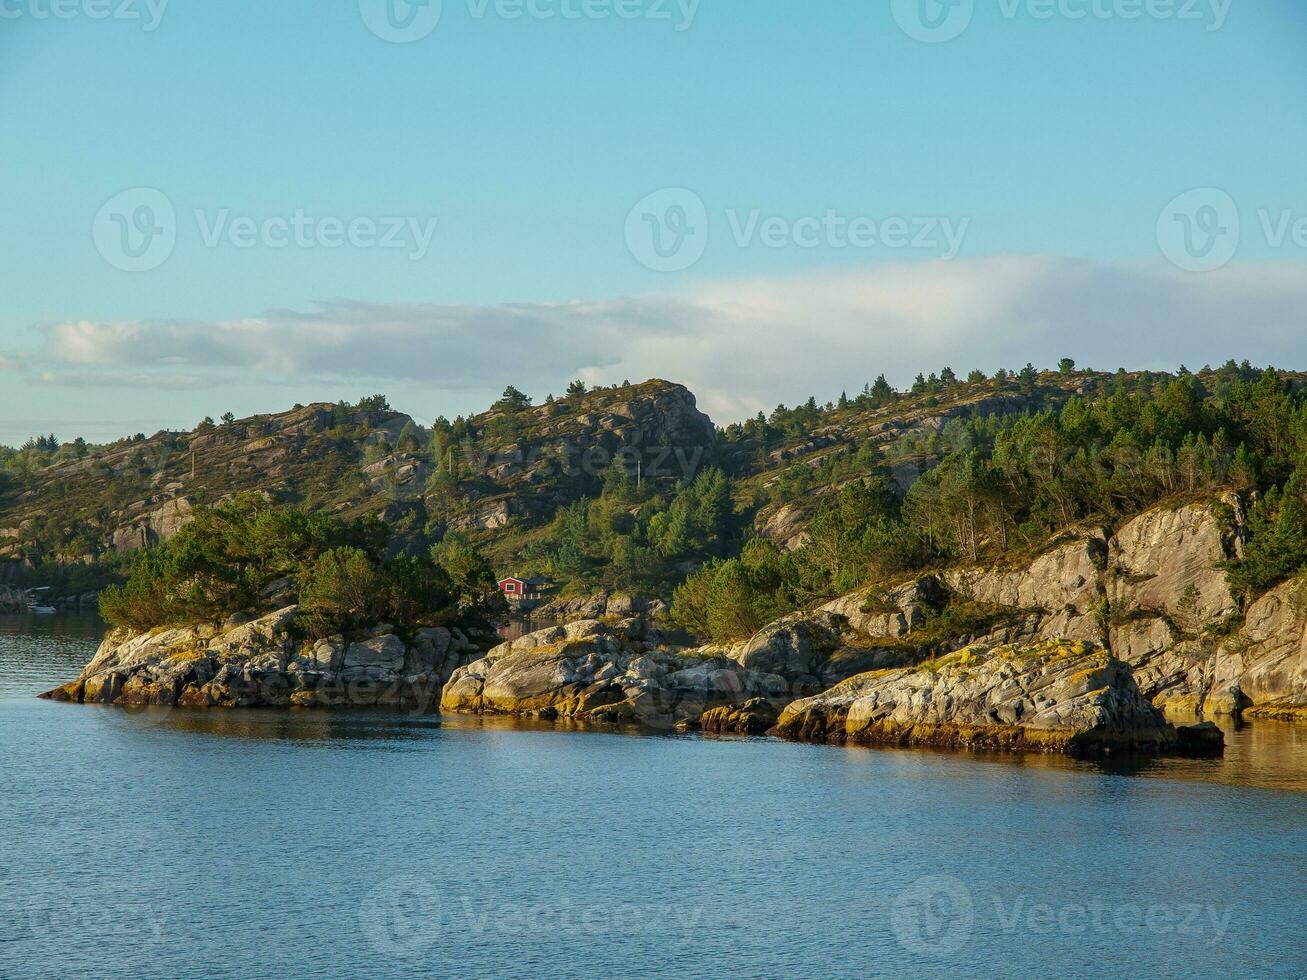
point(741, 345)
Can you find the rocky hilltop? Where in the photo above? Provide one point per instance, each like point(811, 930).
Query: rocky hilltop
point(510, 467)
point(533, 460)
point(135, 493)
point(894, 430)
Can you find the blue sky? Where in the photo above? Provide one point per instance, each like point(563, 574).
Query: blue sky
point(1051, 143)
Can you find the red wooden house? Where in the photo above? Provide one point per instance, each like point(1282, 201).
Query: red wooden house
point(522, 588)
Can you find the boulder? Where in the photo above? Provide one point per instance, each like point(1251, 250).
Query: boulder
point(893, 613)
point(249, 662)
point(593, 672)
point(753, 717)
point(1072, 698)
point(796, 647)
point(387, 651)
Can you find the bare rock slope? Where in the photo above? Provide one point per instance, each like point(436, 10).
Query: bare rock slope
point(1070, 698)
point(260, 663)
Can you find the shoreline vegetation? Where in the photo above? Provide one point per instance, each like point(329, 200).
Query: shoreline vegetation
point(853, 572)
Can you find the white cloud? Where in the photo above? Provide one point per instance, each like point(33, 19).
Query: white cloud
point(741, 346)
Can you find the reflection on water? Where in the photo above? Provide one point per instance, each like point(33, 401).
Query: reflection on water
point(520, 626)
point(219, 843)
point(40, 652)
point(1263, 754)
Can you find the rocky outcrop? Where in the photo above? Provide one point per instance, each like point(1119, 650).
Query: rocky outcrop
point(1262, 669)
point(1166, 592)
point(620, 604)
point(788, 527)
point(588, 671)
point(12, 600)
point(797, 648)
point(1166, 562)
point(1071, 698)
point(150, 522)
point(894, 613)
point(1063, 585)
point(751, 718)
point(260, 663)
point(1154, 593)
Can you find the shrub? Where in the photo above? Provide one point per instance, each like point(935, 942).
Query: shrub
point(227, 557)
point(339, 592)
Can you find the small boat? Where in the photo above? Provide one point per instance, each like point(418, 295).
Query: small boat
point(35, 606)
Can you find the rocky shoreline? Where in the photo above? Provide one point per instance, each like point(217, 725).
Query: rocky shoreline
point(1043, 697)
point(248, 663)
point(1105, 642)
point(1035, 697)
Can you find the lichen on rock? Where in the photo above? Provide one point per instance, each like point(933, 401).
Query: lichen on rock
point(1049, 696)
point(591, 671)
point(262, 663)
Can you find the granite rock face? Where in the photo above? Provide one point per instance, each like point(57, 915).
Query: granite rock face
point(1071, 698)
point(1262, 669)
point(259, 664)
point(165, 519)
point(589, 671)
point(1062, 585)
point(1155, 594)
point(620, 604)
point(900, 611)
point(797, 648)
point(1165, 562)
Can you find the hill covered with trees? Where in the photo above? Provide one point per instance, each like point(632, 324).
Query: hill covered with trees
point(631, 488)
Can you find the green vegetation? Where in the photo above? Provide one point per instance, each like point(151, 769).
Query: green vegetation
point(632, 535)
point(997, 487)
point(867, 490)
point(239, 556)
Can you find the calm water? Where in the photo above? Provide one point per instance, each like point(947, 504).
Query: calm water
point(216, 844)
